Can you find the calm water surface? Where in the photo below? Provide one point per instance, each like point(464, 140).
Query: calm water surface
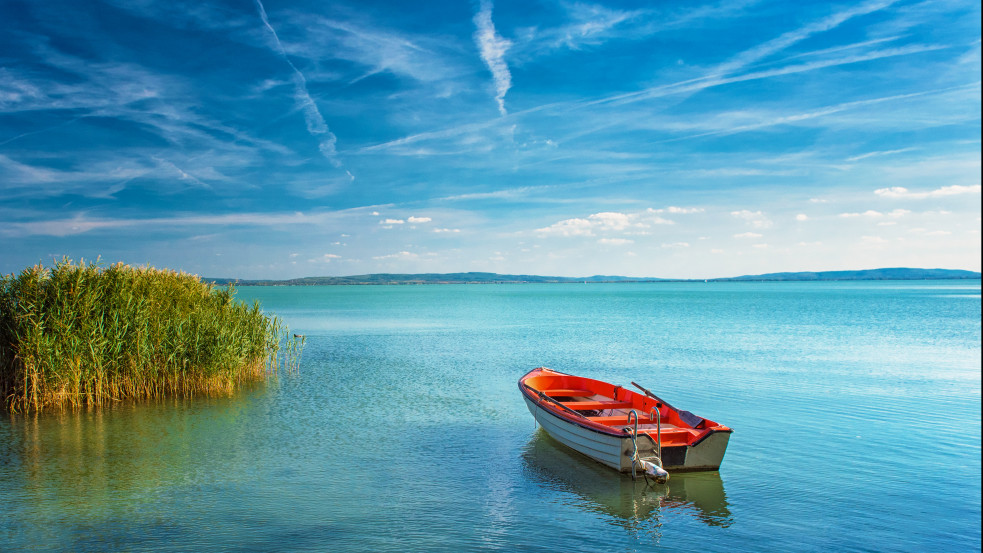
point(856, 409)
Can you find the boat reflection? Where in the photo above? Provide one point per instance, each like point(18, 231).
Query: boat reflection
point(602, 490)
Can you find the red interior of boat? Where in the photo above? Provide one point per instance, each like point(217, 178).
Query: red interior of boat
point(607, 406)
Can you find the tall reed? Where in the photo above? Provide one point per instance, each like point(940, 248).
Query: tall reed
point(81, 335)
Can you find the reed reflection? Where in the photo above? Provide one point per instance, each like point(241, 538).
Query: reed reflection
point(98, 462)
point(633, 504)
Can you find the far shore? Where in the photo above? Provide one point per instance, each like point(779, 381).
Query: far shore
point(903, 274)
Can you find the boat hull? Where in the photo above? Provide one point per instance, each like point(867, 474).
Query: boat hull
point(612, 446)
point(616, 452)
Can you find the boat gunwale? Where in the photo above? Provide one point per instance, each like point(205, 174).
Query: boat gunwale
point(532, 394)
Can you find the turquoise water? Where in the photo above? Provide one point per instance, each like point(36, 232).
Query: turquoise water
point(855, 405)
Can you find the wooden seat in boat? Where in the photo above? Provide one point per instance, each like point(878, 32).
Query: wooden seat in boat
point(562, 392)
point(622, 420)
point(596, 405)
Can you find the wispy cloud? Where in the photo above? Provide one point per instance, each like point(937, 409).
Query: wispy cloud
point(615, 241)
point(730, 72)
point(689, 86)
point(724, 126)
point(790, 38)
point(316, 125)
point(675, 210)
point(83, 222)
point(492, 48)
point(371, 47)
point(397, 256)
point(880, 153)
point(874, 214)
point(904, 193)
point(591, 25)
point(588, 24)
point(105, 174)
point(756, 219)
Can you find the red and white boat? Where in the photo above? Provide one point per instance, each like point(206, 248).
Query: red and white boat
point(621, 428)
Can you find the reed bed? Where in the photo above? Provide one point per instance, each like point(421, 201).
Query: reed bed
point(82, 335)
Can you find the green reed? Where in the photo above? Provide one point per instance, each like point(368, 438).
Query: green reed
point(82, 335)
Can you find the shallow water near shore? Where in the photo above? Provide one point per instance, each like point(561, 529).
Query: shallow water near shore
point(855, 405)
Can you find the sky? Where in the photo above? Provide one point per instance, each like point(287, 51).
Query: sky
point(277, 139)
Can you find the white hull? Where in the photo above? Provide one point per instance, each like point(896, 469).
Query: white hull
point(616, 451)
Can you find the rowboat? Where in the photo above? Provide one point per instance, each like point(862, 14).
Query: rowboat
point(621, 428)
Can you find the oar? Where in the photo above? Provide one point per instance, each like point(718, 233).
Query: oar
point(686, 416)
point(651, 395)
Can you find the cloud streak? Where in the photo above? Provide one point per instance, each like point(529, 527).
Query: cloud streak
point(904, 193)
point(492, 48)
point(316, 125)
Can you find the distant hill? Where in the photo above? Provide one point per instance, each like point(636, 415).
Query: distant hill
point(427, 278)
point(495, 278)
point(899, 273)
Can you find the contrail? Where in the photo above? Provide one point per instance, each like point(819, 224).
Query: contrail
point(316, 125)
point(493, 48)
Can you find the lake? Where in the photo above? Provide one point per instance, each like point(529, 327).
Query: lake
point(855, 408)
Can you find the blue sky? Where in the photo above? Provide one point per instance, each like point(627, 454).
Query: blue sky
point(279, 139)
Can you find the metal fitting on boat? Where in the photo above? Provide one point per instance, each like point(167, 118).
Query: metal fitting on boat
point(658, 473)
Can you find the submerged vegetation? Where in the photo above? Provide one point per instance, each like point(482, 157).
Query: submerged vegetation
point(83, 335)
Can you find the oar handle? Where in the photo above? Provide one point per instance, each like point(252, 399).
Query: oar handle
point(648, 393)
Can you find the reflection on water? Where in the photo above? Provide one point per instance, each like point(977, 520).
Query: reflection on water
point(80, 476)
point(635, 505)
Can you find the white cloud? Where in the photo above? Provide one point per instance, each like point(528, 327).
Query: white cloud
point(873, 214)
point(392, 222)
point(748, 235)
point(493, 48)
point(801, 217)
point(610, 220)
point(419, 219)
point(598, 222)
point(399, 255)
point(653, 217)
point(684, 210)
point(676, 245)
point(868, 213)
point(615, 241)
point(329, 256)
point(568, 227)
point(756, 219)
point(441, 230)
point(902, 192)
